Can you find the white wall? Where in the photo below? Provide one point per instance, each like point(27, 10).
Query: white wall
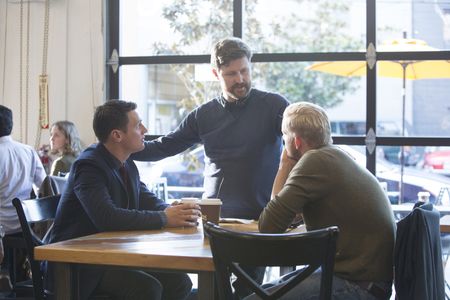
point(75, 64)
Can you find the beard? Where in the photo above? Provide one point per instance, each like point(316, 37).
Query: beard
point(240, 90)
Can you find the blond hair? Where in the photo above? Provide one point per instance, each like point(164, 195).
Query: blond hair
point(310, 122)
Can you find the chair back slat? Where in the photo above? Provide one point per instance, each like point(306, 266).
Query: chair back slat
point(41, 209)
point(290, 250)
point(52, 185)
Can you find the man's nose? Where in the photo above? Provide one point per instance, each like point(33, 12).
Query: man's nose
point(239, 77)
point(144, 129)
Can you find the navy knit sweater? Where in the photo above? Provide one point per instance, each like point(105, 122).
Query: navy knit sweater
point(242, 143)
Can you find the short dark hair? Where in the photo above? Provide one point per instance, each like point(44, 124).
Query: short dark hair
point(6, 121)
point(111, 115)
point(228, 49)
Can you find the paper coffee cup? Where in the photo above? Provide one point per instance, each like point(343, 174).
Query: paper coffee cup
point(210, 210)
point(423, 196)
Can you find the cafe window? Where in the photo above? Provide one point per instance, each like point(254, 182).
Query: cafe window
point(308, 51)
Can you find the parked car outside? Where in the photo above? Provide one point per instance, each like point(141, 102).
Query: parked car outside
point(436, 159)
point(414, 180)
point(384, 128)
point(184, 174)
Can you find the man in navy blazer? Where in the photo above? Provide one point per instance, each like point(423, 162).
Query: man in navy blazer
point(104, 193)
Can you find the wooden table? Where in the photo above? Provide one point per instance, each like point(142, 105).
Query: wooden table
point(180, 249)
point(445, 224)
point(408, 207)
point(444, 211)
point(171, 249)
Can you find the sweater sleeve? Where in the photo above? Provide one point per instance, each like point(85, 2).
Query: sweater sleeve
point(183, 137)
point(304, 185)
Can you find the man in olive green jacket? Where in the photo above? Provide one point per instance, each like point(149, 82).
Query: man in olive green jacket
point(327, 187)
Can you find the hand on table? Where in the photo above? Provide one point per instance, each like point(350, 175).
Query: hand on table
point(182, 214)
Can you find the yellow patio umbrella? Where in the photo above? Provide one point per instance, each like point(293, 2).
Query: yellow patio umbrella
point(426, 69)
point(405, 69)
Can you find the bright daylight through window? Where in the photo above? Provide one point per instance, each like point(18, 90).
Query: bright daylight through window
point(307, 51)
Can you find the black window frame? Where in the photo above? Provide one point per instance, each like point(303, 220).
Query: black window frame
point(112, 9)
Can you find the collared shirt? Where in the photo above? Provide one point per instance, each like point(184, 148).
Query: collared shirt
point(20, 168)
point(237, 103)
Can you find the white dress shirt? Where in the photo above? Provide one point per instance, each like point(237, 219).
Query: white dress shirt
point(20, 169)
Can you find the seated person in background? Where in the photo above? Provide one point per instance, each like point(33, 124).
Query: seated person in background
point(104, 193)
point(328, 187)
point(65, 142)
point(21, 172)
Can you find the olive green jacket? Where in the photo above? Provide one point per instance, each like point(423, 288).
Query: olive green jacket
point(330, 188)
point(62, 164)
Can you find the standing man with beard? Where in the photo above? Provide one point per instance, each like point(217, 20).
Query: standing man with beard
point(241, 133)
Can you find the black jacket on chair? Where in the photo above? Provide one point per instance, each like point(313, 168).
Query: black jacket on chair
point(417, 256)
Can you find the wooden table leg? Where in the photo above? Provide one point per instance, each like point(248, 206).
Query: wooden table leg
point(64, 281)
point(205, 285)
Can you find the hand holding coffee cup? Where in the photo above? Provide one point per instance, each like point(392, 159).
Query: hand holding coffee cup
point(184, 213)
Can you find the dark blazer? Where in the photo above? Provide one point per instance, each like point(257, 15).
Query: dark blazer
point(417, 256)
point(96, 200)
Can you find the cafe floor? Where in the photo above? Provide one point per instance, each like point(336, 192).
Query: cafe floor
point(271, 274)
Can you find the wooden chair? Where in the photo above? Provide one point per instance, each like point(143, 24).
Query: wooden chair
point(52, 185)
point(30, 212)
point(314, 249)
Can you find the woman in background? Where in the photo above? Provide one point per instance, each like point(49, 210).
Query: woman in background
point(65, 142)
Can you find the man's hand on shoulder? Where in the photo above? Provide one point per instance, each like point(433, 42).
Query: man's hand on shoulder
point(182, 214)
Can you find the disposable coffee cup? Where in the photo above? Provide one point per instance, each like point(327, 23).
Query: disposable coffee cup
point(210, 210)
point(423, 196)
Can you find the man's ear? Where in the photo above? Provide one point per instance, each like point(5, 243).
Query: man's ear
point(116, 135)
point(298, 142)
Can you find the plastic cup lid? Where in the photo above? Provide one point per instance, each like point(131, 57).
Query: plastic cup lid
point(211, 201)
point(189, 200)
